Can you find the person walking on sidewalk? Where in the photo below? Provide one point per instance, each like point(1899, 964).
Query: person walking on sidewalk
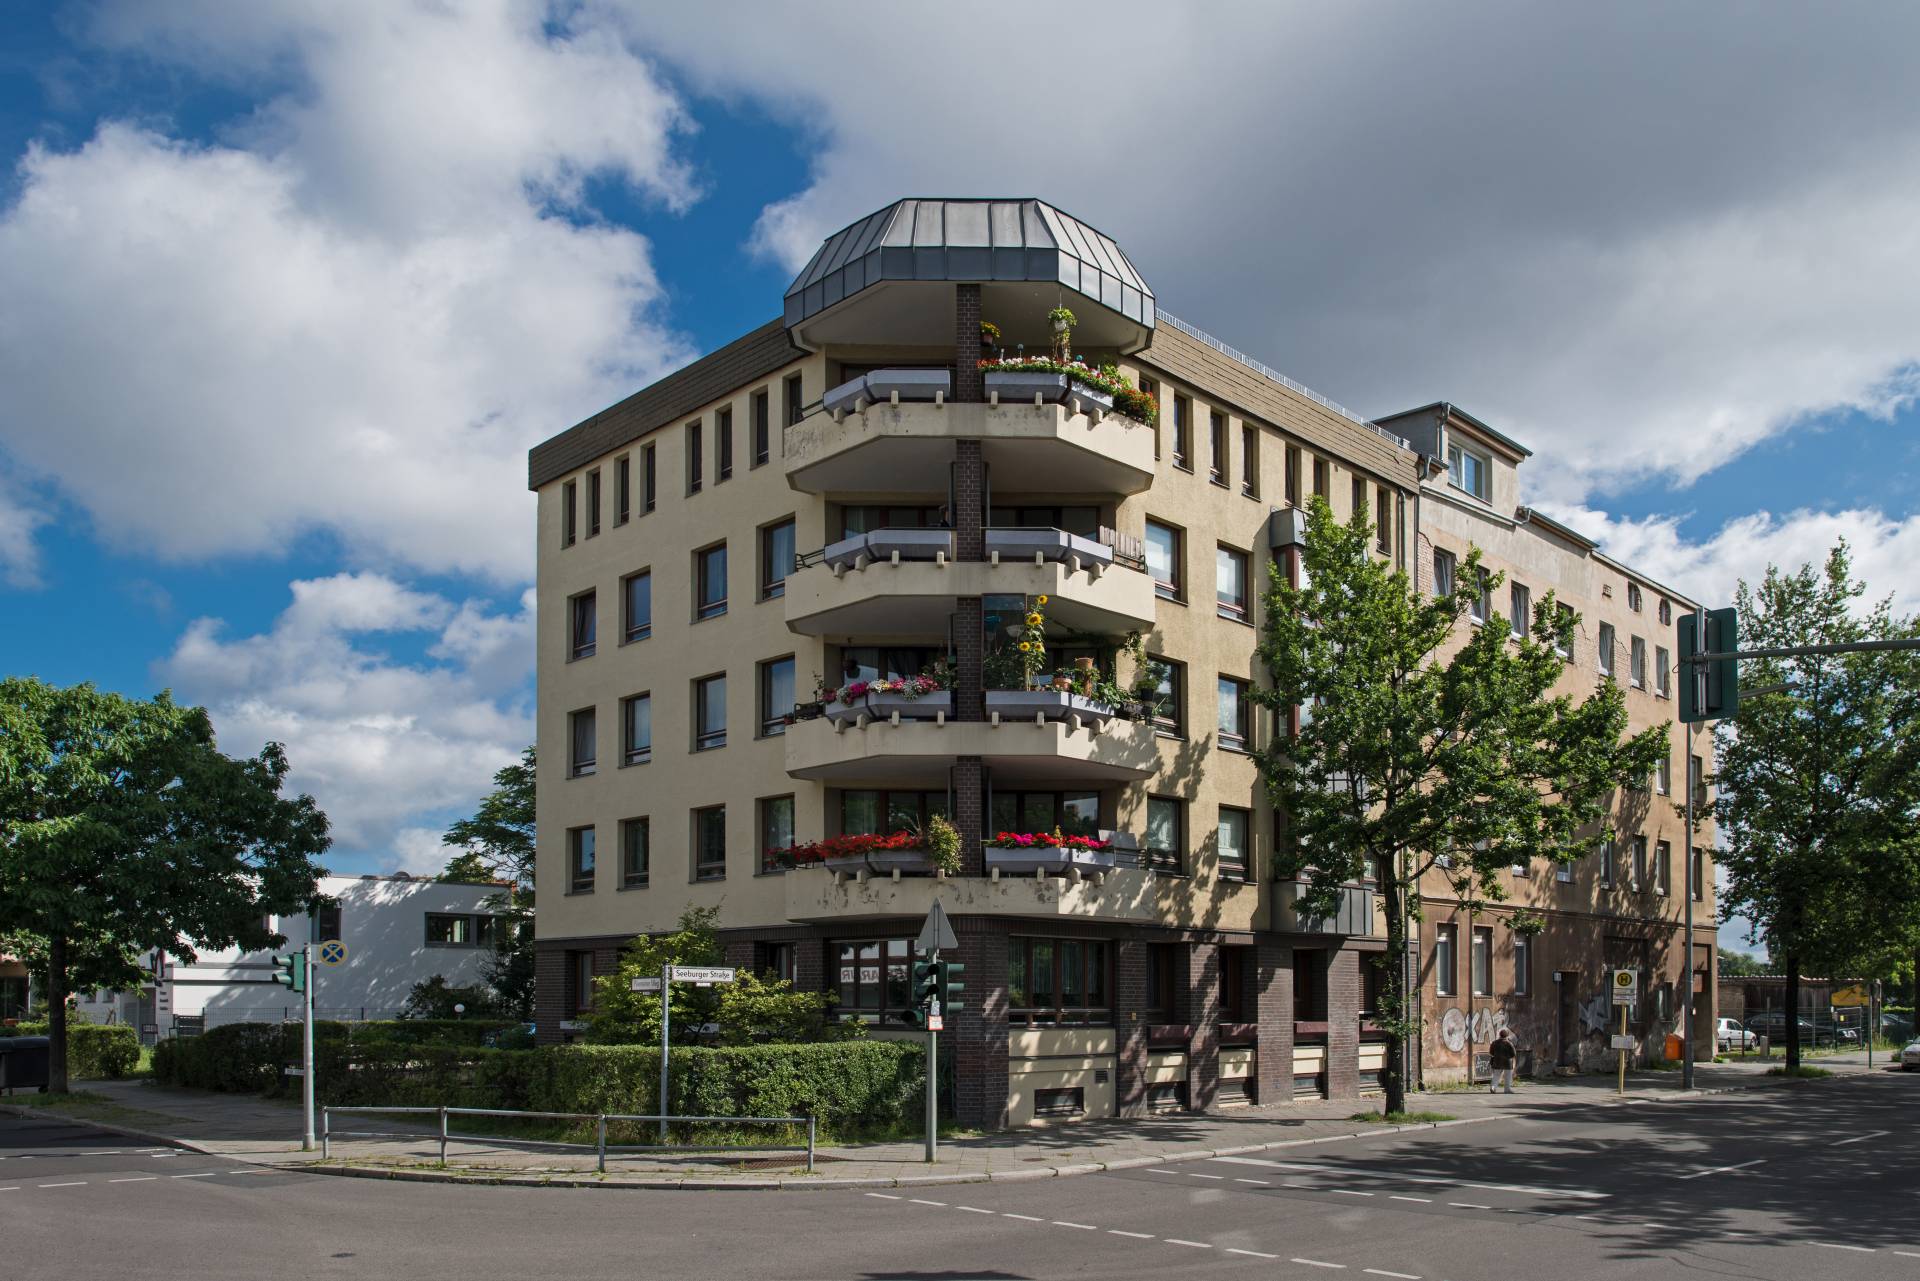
point(1500, 1056)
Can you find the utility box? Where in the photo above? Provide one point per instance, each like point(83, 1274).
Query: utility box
point(24, 1062)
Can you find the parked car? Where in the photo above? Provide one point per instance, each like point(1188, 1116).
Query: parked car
point(1910, 1058)
point(1772, 1024)
point(1731, 1036)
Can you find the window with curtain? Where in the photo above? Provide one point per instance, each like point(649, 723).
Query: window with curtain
point(1163, 559)
point(1483, 960)
point(1166, 833)
point(636, 852)
point(1236, 715)
point(776, 559)
point(1446, 943)
point(1058, 981)
point(1230, 583)
point(1236, 843)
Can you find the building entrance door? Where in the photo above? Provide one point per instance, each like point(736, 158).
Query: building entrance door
point(1569, 1038)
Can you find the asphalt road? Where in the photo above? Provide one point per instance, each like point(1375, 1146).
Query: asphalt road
point(1820, 1181)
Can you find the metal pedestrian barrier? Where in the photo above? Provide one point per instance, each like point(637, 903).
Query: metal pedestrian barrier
point(600, 1145)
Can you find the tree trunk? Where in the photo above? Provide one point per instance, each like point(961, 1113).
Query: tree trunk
point(1791, 1027)
point(57, 1014)
point(1394, 1077)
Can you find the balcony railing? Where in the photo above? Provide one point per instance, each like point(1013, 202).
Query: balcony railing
point(1354, 916)
point(1038, 544)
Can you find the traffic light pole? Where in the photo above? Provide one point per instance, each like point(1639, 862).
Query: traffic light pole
point(1697, 673)
point(933, 1076)
point(306, 1047)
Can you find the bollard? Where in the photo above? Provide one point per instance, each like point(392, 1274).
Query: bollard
point(600, 1144)
point(443, 1134)
point(809, 1143)
point(326, 1126)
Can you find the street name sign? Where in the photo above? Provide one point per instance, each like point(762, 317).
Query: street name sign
point(644, 985)
point(702, 973)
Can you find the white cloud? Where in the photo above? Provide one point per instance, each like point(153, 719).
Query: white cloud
point(418, 851)
point(1885, 549)
point(1622, 233)
point(19, 557)
point(353, 314)
point(381, 743)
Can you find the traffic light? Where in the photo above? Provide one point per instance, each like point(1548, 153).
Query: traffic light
point(951, 985)
point(926, 988)
point(1722, 695)
point(291, 971)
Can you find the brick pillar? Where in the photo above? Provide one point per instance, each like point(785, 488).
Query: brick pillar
point(979, 1031)
point(1130, 1028)
point(812, 967)
point(1271, 992)
point(1199, 999)
point(1343, 1024)
point(969, 384)
point(970, 813)
point(744, 954)
point(969, 494)
point(550, 991)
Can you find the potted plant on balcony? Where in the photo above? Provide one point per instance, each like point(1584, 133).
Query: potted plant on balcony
point(989, 336)
point(1028, 852)
point(905, 851)
point(1061, 321)
point(916, 697)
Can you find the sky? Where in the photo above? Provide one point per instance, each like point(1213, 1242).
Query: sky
point(288, 290)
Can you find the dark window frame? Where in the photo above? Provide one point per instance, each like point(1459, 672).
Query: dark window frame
point(582, 860)
point(1446, 959)
point(632, 753)
point(705, 608)
point(1174, 860)
point(622, 489)
point(583, 616)
point(722, 445)
point(1249, 459)
point(1175, 589)
point(1479, 975)
point(593, 502)
point(1183, 431)
point(569, 513)
point(579, 766)
point(706, 738)
point(1170, 713)
point(773, 722)
point(893, 992)
point(762, 811)
point(1240, 611)
point(760, 427)
point(1245, 868)
point(466, 922)
point(1242, 741)
point(771, 587)
point(1219, 465)
point(1095, 963)
point(696, 458)
point(793, 390)
point(630, 878)
point(704, 870)
point(630, 629)
point(649, 478)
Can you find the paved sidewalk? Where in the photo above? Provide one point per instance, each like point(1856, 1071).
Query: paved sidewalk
point(267, 1132)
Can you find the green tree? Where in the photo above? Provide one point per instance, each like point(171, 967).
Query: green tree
point(1741, 965)
point(752, 1009)
point(123, 828)
point(497, 844)
point(1415, 755)
point(1818, 786)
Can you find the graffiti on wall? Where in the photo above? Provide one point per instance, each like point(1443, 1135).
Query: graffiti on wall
point(1487, 1023)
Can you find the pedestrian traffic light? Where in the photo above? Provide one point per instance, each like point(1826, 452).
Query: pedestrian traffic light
point(926, 989)
point(951, 985)
point(1718, 695)
point(291, 971)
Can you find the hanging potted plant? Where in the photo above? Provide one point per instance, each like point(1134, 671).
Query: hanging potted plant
point(989, 336)
point(1061, 320)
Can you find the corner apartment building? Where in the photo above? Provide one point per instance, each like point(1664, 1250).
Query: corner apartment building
point(845, 497)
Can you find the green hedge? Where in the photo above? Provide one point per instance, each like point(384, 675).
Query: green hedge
point(94, 1050)
point(853, 1087)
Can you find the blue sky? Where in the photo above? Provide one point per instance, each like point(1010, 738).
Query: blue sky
point(288, 294)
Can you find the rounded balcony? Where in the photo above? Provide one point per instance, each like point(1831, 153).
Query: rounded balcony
point(1039, 734)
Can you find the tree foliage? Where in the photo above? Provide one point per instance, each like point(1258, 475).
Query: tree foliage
point(497, 844)
point(123, 828)
point(1420, 749)
point(1818, 787)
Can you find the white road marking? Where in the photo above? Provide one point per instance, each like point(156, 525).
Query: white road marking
point(1174, 1173)
point(144, 1178)
point(204, 1174)
point(972, 1209)
point(1198, 1245)
point(1218, 1178)
point(882, 1196)
point(1349, 1192)
point(116, 1151)
point(1423, 1200)
point(1469, 1205)
point(81, 1184)
point(1835, 1245)
point(1861, 1138)
point(1138, 1236)
point(1259, 1183)
point(1382, 1272)
point(1257, 1254)
point(14, 1188)
point(1024, 1218)
point(1084, 1227)
point(1724, 1169)
point(917, 1201)
point(1395, 1176)
point(1320, 1263)
point(1907, 1254)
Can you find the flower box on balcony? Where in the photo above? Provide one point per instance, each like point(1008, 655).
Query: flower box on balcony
point(1013, 385)
point(1084, 399)
point(1047, 704)
point(881, 862)
point(883, 545)
point(1048, 544)
point(883, 386)
point(1053, 862)
point(882, 706)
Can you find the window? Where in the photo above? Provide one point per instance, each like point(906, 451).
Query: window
point(1446, 944)
point(710, 843)
point(444, 930)
point(1563, 872)
point(1382, 521)
point(1166, 834)
point(1633, 597)
point(1182, 432)
point(636, 852)
point(582, 624)
point(874, 981)
point(1236, 715)
point(1666, 612)
point(1520, 604)
point(1250, 460)
point(1163, 559)
point(1359, 495)
point(1563, 624)
point(1293, 476)
point(636, 729)
point(1609, 855)
point(1057, 981)
point(1606, 650)
point(326, 921)
point(1697, 781)
point(1639, 863)
point(776, 558)
point(783, 961)
point(1469, 471)
point(709, 713)
point(1663, 868)
point(1483, 960)
point(1170, 697)
point(776, 694)
point(1663, 776)
point(1323, 478)
point(1522, 965)
point(1699, 874)
point(636, 606)
point(569, 513)
point(593, 502)
point(761, 444)
point(580, 982)
point(1217, 447)
point(694, 459)
point(1074, 813)
point(710, 582)
point(1443, 571)
point(1060, 1102)
point(1662, 678)
point(1230, 583)
point(722, 445)
point(796, 398)
point(872, 813)
point(581, 735)
point(1162, 968)
point(1637, 663)
point(580, 860)
point(776, 829)
point(1236, 829)
point(649, 478)
point(1482, 607)
point(622, 489)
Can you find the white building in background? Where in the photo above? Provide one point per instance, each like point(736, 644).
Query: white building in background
point(398, 931)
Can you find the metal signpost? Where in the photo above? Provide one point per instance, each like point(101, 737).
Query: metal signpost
point(699, 975)
point(936, 934)
point(306, 1050)
point(1625, 985)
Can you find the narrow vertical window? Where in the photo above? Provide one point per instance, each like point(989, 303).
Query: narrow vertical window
point(593, 502)
point(695, 462)
point(569, 513)
point(580, 860)
point(649, 478)
point(1637, 663)
point(636, 852)
point(776, 559)
point(1522, 965)
point(1217, 447)
point(1609, 855)
point(1170, 697)
point(583, 624)
point(776, 830)
point(1483, 960)
point(761, 429)
point(1182, 432)
point(1358, 486)
point(709, 713)
point(622, 489)
point(1662, 673)
point(1323, 478)
point(1383, 520)
point(1236, 715)
point(1163, 559)
point(1446, 966)
point(1443, 567)
point(710, 582)
point(1663, 868)
point(1236, 826)
point(710, 843)
point(776, 694)
point(1605, 646)
point(583, 742)
point(1230, 583)
point(723, 445)
point(1521, 601)
point(636, 729)
point(796, 399)
point(1250, 460)
point(1166, 833)
point(636, 606)
point(1293, 476)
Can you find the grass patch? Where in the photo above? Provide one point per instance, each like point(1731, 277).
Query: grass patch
point(1400, 1118)
point(1802, 1072)
point(1453, 1087)
point(88, 1106)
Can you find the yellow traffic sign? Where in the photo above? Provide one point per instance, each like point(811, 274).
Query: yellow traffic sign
point(332, 952)
point(1849, 997)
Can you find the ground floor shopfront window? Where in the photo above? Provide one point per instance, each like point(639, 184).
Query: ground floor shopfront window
point(873, 979)
point(1055, 982)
